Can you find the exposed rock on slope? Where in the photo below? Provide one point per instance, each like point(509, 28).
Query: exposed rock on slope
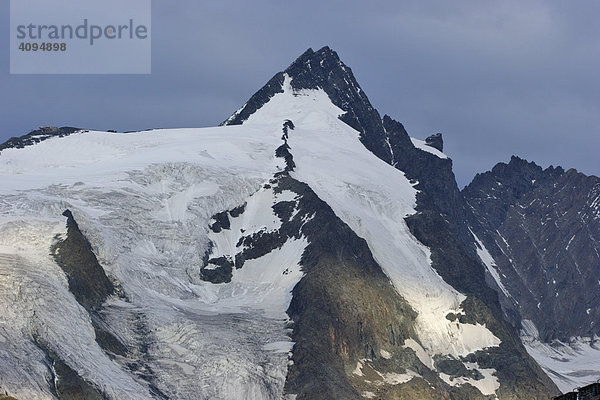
point(37, 136)
point(87, 280)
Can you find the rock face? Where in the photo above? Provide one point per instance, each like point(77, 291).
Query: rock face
point(590, 392)
point(435, 141)
point(543, 229)
point(87, 280)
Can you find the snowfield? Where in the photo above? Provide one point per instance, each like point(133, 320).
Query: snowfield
point(144, 200)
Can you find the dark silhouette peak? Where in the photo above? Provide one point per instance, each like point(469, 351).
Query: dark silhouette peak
point(520, 166)
point(323, 69)
point(517, 177)
point(312, 70)
point(318, 69)
point(516, 160)
point(324, 51)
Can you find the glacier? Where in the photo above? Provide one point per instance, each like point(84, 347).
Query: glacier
point(145, 201)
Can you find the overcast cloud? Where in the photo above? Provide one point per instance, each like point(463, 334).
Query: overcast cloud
point(496, 78)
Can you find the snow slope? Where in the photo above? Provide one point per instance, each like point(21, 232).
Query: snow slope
point(570, 365)
point(144, 200)
point(490, 264)
point(422, 145)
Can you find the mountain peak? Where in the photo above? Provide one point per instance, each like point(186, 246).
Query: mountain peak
point(324, 70)
point(313, 69)
point(323, 53)
point(509, 182)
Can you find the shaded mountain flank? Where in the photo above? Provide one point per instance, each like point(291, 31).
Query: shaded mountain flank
point(441, 224)
point(91, 287)
point(542, 226)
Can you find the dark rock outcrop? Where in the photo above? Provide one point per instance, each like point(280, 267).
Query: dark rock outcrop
point(589, 392)
point(69, 385)
point(37, 136)
point(87, 280)
point(65, 383)
point(435, 141)
point(344, 308)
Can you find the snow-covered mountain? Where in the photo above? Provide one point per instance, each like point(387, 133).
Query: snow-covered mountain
point(308, 248)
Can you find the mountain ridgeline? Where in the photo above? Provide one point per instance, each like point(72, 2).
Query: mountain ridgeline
point(269, 278)
point(443, 223)
point(543, 229)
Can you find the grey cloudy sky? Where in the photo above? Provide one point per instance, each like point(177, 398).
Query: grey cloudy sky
point(496, 78)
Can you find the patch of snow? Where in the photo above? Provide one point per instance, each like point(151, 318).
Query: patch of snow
point(570, 365)
point(487, 386)
point(279, 347)
point(286, 195)
point(570, 240)
point(261, 283)
point(392, 378)
point(490, 264)
point(385, 354)
point(358, 370)
point(422, 355)
point(258, 216)
point(421, 145)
